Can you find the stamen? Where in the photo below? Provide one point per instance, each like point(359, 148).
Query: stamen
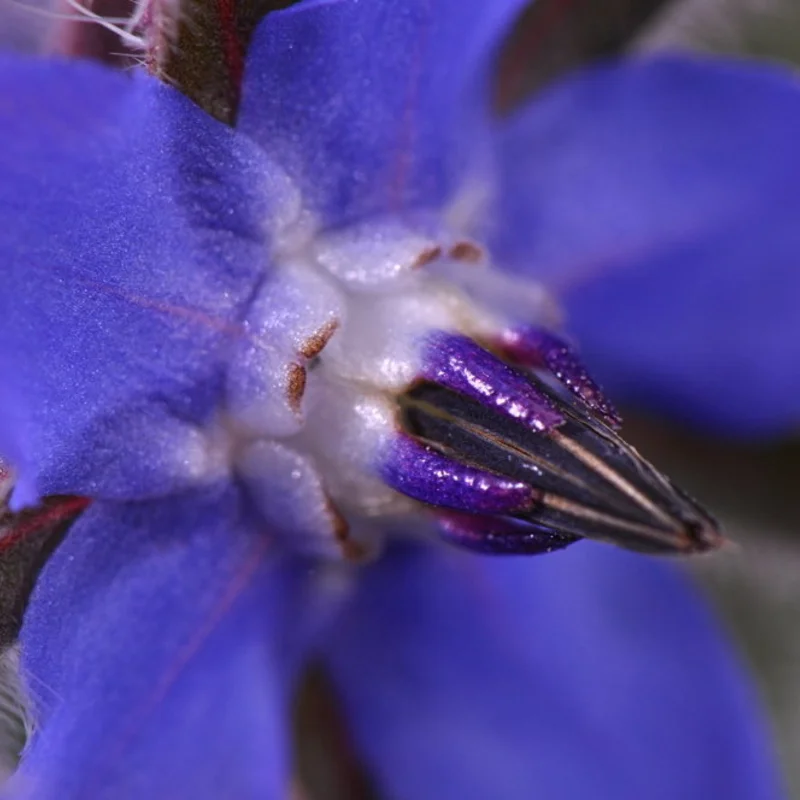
point(536, 347)
point(498, 535)
point(368, 387)
point(458, 363)
point(587, 481)
point(602, 469)
point(432, 477)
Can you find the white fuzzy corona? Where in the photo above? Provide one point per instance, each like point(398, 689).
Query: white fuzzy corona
point(333, 335)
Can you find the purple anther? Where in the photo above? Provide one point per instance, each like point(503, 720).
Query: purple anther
point(459, 364)
point(538, 347)
point(421, 472)
point(498, 536)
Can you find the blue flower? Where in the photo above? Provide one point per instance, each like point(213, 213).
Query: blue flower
point(205, 330)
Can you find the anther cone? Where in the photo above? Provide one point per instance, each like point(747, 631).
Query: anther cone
point(584, 480)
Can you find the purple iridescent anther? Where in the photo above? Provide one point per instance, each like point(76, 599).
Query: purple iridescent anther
point(423, 473)
point(458, 363)
point(538, 347)
point(498, 535)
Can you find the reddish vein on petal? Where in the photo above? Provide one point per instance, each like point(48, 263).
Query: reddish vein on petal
point(232, 590)
point(54, 512)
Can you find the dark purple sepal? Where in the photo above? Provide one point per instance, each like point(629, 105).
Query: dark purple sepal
point(424, 474)
point(499, 536)
point(459, 364)
point(538, 347)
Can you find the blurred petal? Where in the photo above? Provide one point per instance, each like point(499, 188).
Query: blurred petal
point(158, 647)
point(133, 232)
point(25, 25)
point(708, 333)
point(588, 673)
point(368, 103)
point(552, 38)
point(660, 200)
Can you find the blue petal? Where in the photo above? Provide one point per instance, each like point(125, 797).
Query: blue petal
point(709, 335)
point(157, 646)
point(589, 673)
point(133, 231)
point(369, 103)
point(660, 200)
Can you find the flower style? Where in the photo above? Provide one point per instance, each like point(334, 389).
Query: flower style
point(266, 353)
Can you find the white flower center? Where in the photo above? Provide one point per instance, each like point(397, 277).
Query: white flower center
point(333, 335)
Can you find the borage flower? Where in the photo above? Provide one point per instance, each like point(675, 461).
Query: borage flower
point(267, 354)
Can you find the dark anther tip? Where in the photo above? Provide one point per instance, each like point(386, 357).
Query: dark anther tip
point(582, 479)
